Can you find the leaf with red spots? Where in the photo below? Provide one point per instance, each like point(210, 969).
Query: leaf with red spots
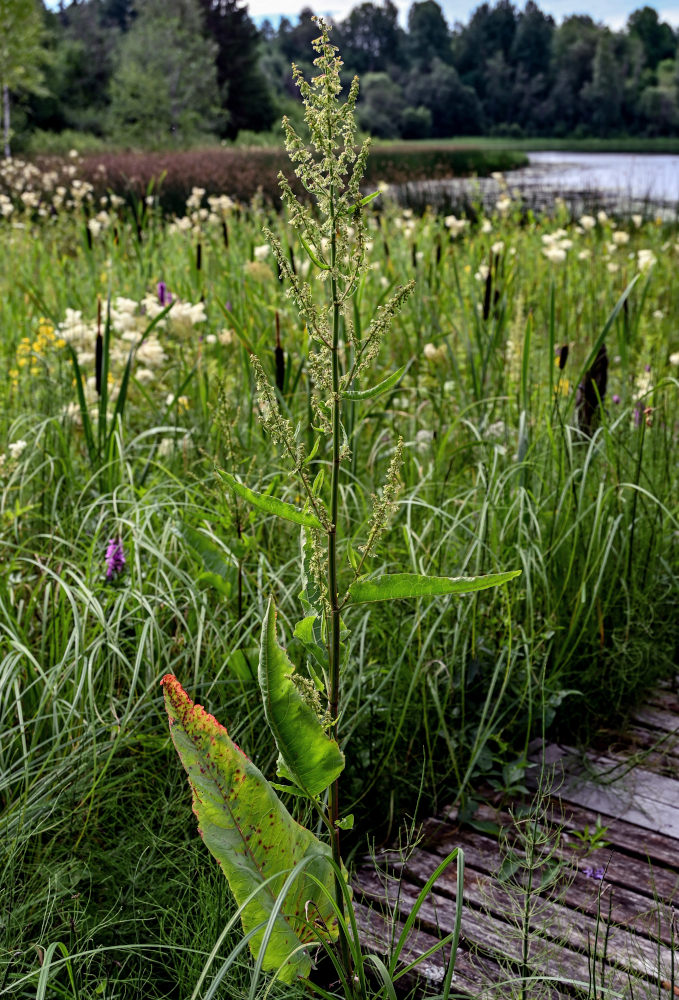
point(249, 831)
point(309, 757)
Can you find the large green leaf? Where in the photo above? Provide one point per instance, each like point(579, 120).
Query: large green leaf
point(308, 756)
point(249, 831)
point(388, 383)
point(394, 586)
point(272, 505)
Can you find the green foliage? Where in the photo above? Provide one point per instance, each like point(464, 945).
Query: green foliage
point(21, 54)
point(309, 753)
point(271, 505)
point(442, 695)
point(397, 586)
point(268, 858)
point(308, 756)
point(164, 87)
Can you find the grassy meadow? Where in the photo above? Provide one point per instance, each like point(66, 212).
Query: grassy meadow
point(105, 888)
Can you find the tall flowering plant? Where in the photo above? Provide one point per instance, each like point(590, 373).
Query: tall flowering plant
point(290, 885)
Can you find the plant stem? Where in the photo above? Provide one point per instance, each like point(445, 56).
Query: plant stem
point(333, 592)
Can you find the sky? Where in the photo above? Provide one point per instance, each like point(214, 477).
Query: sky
point(612, 12)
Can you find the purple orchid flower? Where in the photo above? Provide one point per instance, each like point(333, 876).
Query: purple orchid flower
point(164, 294)
point(115, 558)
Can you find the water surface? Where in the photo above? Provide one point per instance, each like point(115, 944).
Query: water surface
point(637, 176)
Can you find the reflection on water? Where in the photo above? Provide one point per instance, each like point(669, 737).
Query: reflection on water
point(643, 176)
point(622, 183)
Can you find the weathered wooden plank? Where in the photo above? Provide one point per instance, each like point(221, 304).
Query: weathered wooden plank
point(639, 797)
point(376, 932)
point(666, 696)
point(629, 908)
point(557, 920)
point(658, 718)
point(625, 839)
point(659, 752)
point(472, 973)
point(494, 936)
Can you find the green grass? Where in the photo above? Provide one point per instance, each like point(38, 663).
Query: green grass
point(99, 849)
point(592, 144)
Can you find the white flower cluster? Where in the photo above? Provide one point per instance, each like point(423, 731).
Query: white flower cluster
point(556, 245)
point(197, 215)
point(14, 452)
point(129, 319)
point(28, 188)
point(455, 225)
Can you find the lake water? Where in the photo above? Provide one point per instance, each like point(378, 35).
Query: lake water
point(619, 182)
point(636, 176)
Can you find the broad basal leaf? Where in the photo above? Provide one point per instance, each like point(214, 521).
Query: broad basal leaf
point(272, 505)
point(249, 831)
point(308, 756)
point(398, 585)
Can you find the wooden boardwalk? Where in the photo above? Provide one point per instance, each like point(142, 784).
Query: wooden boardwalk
point(607, 922)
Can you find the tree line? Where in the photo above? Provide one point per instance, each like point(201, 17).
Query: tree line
point(158, 72)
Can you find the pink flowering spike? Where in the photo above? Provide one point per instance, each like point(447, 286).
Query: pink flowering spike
point(253, 837)
point(115, 558)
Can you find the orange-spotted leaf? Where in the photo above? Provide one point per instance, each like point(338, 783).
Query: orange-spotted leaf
point(253, 837)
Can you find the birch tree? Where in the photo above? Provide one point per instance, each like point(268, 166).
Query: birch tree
point(21, 54)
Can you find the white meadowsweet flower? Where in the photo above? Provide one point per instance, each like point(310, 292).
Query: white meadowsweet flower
point(455, 225)
point(584, 254)
point(423, 440)
point(503, 205)
point(16, 448)
point(486, 226)
point(554, 254)
point(674, 358)
point(612, 267)
point(645, 259)
point(432, 353)
point(637, 220)
point(643, 383)
point(602, 217)
point(620, 237)
point(658, 314)
point(151, 352)
point(587, 222)
point(262, 252)
point(498, 247)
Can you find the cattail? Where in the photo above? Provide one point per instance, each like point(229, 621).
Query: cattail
point(489, 290)
point(279, 357)
point(590, 393)
point(292, 260)
point(225, 234)
point(199, 256)
point(563, 357)
point(98, 350)
point(413, 254)
point(438, 250)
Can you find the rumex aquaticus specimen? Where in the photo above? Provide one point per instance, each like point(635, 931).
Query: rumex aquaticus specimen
point(303, 708)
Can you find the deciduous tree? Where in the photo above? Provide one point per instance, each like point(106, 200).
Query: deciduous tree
point(21, 54)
